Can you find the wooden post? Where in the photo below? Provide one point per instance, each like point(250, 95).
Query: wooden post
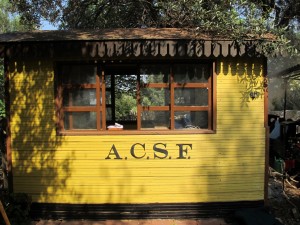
point(4, 214)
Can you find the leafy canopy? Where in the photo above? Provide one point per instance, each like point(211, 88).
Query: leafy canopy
point(236, 19)
point(8, 22)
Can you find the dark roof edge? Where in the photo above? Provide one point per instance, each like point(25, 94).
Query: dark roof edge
point(120, 34)
point(291, 72)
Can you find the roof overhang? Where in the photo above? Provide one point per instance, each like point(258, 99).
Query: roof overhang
point(109, 43)
point(292, 73)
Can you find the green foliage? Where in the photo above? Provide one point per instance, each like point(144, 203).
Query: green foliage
point(17, 207)
point(236, 19)
point(125, 106)
point(2, 108)
point(8, 22)
point(125, 84)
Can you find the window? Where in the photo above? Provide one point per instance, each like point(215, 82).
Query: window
point(99, 98)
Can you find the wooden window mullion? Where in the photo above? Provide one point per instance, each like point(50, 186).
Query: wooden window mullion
point(113, 97)
point(70, 114)
point(209, 112)
point(71, 121)
point(211, 82)
point(98, 97)
point(103, 99)
point(59, 108)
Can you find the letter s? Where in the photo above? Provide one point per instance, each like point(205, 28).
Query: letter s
point(163, 151)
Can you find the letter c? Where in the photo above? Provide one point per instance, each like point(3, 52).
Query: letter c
point(132, 151)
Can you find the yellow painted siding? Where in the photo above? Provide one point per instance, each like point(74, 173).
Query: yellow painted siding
point(225, 166)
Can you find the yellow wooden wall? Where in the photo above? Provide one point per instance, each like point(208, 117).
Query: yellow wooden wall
point(226, 166)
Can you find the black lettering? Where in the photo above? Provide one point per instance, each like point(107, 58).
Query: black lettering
point(113, 151)
point(182, 151)
point(132, 151)
point(160, 150)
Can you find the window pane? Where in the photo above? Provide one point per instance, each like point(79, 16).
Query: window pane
point(108, 81)
point(191, 120)
point(108, 114)
point(83, 97)
point(80, 120)
point(108, 97)
point(154, 74)
point(155, 96)
point(156, 119)
point(191, 96)
point(191, 73)
point(79, 74)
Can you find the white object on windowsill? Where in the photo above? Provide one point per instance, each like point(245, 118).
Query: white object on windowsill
point(116, 126)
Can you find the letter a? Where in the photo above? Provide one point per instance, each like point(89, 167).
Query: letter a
point(113, 151)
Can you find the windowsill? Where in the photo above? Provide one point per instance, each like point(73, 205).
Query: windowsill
point(147, 131)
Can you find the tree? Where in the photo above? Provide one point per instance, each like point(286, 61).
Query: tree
point(236, 19)
point(8, 22)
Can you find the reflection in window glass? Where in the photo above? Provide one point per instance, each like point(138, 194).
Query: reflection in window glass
point(137, 95)
point(156, 119)
point(79, 74)
point(191, 96)
point(83, 97)
point(108, 114)
point(108, 97)
point(191, 73)
point(155, 74)
point(155, 96)
point(191, 120)
point(108, 81)
point(81, 120)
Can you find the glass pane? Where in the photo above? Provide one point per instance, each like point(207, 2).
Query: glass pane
point(125, 83)
point(82, 97)
point(191, 120)
point(108, 114)
point(155, 96)
point(191, 73)
point(108, 81)
point(80, 120)
point(79, 74)
point(108, 97)
point(154, 74)
point(156, 119)
point(191, 96)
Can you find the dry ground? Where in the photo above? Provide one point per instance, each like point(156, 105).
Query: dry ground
point(284, 200)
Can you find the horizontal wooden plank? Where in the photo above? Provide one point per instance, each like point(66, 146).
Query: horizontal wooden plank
point(106, 173)
point(146, 189)
point(214, 178)
point(143, 198)
point(136, 170)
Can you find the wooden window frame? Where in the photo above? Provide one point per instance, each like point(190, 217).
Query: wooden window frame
point(101, 109)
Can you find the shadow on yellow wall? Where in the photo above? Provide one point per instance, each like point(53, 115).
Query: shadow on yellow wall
point(45, 166)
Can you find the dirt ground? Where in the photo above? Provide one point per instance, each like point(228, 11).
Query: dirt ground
point(284, 199)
